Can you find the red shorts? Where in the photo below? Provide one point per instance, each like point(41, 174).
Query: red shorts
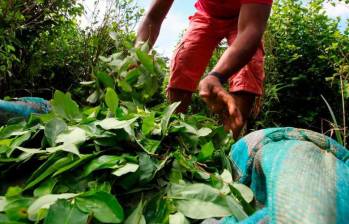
point(193, 54)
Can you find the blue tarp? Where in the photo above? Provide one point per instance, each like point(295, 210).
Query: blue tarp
point(298, 176)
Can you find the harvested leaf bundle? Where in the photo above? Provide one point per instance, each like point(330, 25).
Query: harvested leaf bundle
point(117, 161)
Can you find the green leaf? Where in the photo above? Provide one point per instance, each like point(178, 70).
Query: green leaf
point(95, 186)
point(45, 188)
point(105, 79)
point(227, 177)
point(206, 152)
point(132, 76)
point(45, 202)
point(137, 216)
point(145, 47)
point(102, 205)
point(200, 133)
point(113, 123)
point(238, 195)
point(176, 173)
point(64, 106)
point(16, 209)
point(123, 84)
point(102, 162)
point(5, 145)
point(93, 98)
point(203, 132)
point(40, 1)
point(73, 136)
point(178, 218)
point(166, 117)
point(225, 160)
point(112, 100)
point(53, 128)
point(337, 128)
point(200, 201)
point(71, 139)
point(92, 113)
point(149, 145)
point(27, 153)
point(127, 168)
point(148, 123)
point(5, 220)
point(18, 141)
point(12, 130)
point(49, 162)
point(147, 168)
point(245, 192)
point(73, 165)
point(13, 192)
point(158, 209)
point(2, 203)
point(63, 212)
point(65, 147)
point(113, 36)
point(50, 170)
point(146, 60)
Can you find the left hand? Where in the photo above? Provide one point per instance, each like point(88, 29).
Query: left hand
point(220, 101)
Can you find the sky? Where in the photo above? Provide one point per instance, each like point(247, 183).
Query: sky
point(177, 20)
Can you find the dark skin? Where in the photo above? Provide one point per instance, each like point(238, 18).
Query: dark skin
point(234, 108)
point(149, 28)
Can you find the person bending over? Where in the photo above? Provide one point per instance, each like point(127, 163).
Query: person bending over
point(242, 23)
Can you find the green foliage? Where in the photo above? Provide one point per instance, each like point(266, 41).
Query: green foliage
point(65, 212)
point(65, 107)
point(44, 47)
point(303, 48)
point(137, 216)
point(112, 100)
point(102, 205)
point(37, 36)
point(200, 201)
point(124, 160)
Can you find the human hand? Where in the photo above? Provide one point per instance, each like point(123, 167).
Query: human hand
point(221, 102)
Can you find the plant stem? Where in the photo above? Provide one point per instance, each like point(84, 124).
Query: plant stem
point(343, 113)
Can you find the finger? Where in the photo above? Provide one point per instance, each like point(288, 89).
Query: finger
point(225, 121)
point(217, 90)
point(204, 89)
point(239, 121)
point(227, 126)
point(231, 106)
point(232, 127)
point(237, 126)
point(228, 101)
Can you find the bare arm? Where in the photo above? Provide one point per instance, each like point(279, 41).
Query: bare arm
point(149, 27)
point(252, 22)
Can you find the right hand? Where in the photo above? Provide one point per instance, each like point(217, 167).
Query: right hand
point(221, 102)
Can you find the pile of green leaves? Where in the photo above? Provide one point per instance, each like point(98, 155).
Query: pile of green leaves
point(117, 162)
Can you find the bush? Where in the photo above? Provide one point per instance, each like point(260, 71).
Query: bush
point(44, 48)
point(303, 48)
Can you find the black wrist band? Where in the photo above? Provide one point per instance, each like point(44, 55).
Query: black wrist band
point(221, 77)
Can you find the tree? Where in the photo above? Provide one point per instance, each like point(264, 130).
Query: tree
point(304, 47)
point(44, 48)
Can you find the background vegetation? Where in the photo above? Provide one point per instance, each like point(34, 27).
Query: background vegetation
point(43, 47)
